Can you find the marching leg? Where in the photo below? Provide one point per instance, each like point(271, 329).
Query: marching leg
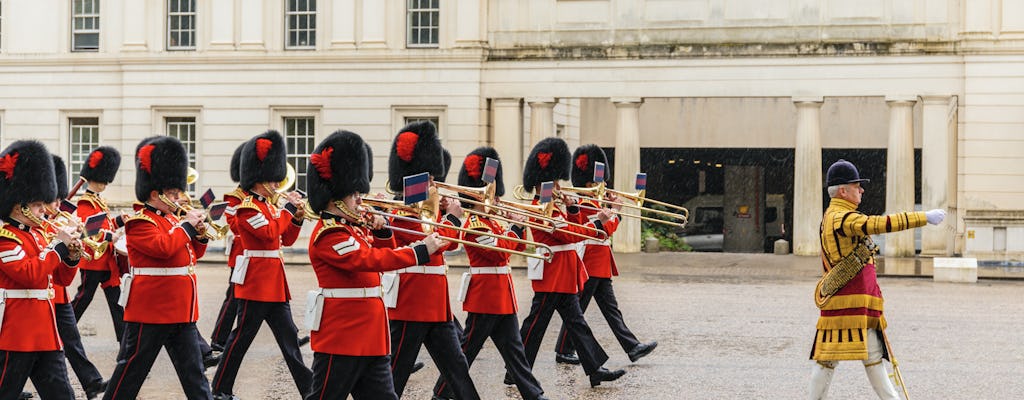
point(112, 293)
point(250, 317)
point(443, 345)
point(375, 382)
point(821, 379)
point(86, 290)
point(283, 326)
point(14, 371)
point(875, 368)
point(183, 349)
point(139, 348)
point(564, 348)
point(50, 376)
point(88, 376)
point(406, 340)
point(536, 323)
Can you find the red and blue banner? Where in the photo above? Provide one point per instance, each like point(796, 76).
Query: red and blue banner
point(415, 188)
point(490, 170)
point(641, 181)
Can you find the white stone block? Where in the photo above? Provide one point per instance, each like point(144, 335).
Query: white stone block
point(955, 269)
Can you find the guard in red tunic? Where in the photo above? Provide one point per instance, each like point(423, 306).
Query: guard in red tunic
point(30, 265)
point(160, 299)
point(420, 308)
point(346, 315)
point(229, 309)
point(600, 263)
point(98, 171)
point(556, 284)
point(490, 297)
point(261, 288)
point(67, 324)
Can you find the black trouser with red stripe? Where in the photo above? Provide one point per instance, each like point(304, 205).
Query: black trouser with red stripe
point(251, 315)
point(442, 342)
point(46, 369)
point(139, 348)
point(226, 317)
point(87, 288)
point(600, 289)
point(364, 377)
point(592, 356)
point(67, 328)
point(503, 329)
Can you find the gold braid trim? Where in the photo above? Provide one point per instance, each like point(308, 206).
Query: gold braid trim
point(6, 234)
point(96, 201)
point(476, 224)
point(248, 203)
point(139, 216)
point(328, 225)
point(855, 301)
point(843, 271)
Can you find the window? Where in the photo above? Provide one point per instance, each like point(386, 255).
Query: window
point(184, 129)
point(423, 23)
point(84, 134)
point(435, 120)
point(300, 24)
point(85, 25)
point(300, 137)
point(181, 24)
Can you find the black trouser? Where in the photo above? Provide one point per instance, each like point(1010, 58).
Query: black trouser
point(442, 342)
point(87, 288)
point(226, 317)
point(67, 328)
point(592, 356)
point(600, 289)
point(140, 347)
point(364, 377)
point(46, 369)
point(251, 315)
point(503, 330)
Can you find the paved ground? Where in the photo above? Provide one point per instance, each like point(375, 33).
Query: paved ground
point(729, 326)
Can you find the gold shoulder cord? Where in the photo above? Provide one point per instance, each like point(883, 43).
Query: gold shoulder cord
point(843, 271)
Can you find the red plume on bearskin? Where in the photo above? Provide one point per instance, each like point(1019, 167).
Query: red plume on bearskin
point(416, 149)
point(583, 169)
point(549, 160)
point(263, 147)
point(162, 165)
point(102, 165)
point(471, 173)
point(581, 161)
point(543, 159)
point(342, 169)
point(322, 162)
point(145, 158)
point(7, 164)
point(264, 159)
point(27, 167)
point(405, 146)
point(474, 165)
point(95, 158)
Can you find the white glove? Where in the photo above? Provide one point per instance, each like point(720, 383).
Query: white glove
point(935, 216)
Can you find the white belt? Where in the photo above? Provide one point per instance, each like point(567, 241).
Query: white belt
point(489, 270)
point(596, 242)
point(563, 247)
point(424, 269)
point(38, 294)
point(351, 293)
point(262, 253)
point(176, 271)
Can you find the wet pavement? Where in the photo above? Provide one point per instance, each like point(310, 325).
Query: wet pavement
point(728, 326)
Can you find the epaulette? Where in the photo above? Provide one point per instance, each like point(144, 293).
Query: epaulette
point(140, 216)
point(238, 193)
point(92, 200)
point(475, 223)
point(6, 234)
point(247, 202)
point(330, 225)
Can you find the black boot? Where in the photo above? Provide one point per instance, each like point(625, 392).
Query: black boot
point(94, 389)
point(641, 350)
point(604, 375)
point(567, 358)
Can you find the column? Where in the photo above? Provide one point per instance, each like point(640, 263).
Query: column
point(222, 25)
point(134, 36)
point(471, 16)
point(627, 164)
point(252, 22)
point(542, 118)
point(343, 24)
point(938, 156)
point(899, 171)
point(507, 138)
point(807, 180)
point(373, 24)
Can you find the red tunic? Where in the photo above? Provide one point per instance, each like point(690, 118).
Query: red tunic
point(359, 326)
point(263, 227)
point(157, 240)
point(565, 273)
point(29, 324)
point(88, 205)
point(598, 255)
point(490, 293)
point(234, 198)
point(422, 297)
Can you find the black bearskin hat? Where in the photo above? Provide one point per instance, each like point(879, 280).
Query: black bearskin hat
point(161, 163)
point(447, 165)
point(369, 160)
point(26, 175)
point(102, 164)
point(337, 168)
point(60, 173)
point(236, 160)
point(264, 159)
point(548, 161)
point(415, 150)
point(583, 160)
point(472, 171)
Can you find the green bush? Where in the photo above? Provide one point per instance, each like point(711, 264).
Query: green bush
point(668, 239)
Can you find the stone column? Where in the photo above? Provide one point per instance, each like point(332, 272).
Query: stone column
point(938, 156)
point(374, 23)
point(134, 32)
point(507, 139)
point(808, 184)
point(222, 25)
point(343, 24)
point(252, 24)
point(899, 171)
point(627, 164)
point(542, 119)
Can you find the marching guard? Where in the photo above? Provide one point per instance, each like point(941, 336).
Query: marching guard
point(420, 311)
point(852, 325)
point(161, 303)
point(98, 171)
point(346, 315)
point(263, 294)
point(561, 279)
point(229, 309)
point(600, 264)
point(490, 297)
point(30, 265)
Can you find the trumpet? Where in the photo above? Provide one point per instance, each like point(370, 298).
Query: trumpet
point(185, 205)
point(59, 224)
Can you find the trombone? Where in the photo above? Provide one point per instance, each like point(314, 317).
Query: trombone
point(636, 200)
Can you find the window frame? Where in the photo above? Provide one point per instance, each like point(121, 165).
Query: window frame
point(311, 31)
point(158, 124)
point(410, 12)
point(193, 153)
point(75, 31)
point(401, 114)
point(278, 116)
point(75, 166)
point(194, 14)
